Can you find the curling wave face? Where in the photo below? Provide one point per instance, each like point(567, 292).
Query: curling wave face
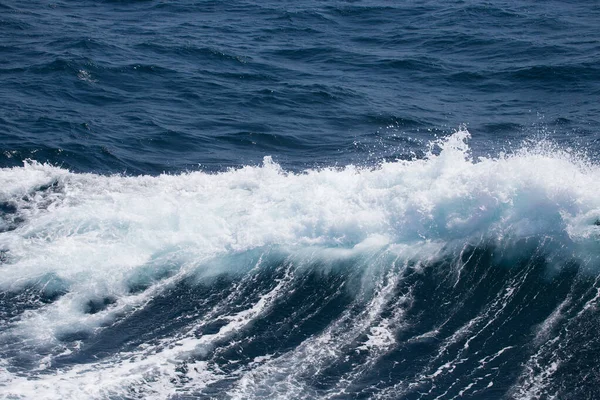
point(257, 282)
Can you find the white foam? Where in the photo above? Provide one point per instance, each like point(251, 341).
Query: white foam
point(93, 235)
point(93, 224)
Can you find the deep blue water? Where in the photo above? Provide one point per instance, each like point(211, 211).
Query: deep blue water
point(149, 86)
point(308, 199)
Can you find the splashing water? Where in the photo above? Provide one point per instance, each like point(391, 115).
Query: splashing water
point(422, 278)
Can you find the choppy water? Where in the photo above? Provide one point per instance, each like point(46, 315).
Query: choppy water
point(299, 200)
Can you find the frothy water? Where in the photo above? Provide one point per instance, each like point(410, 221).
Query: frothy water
point(408, 279)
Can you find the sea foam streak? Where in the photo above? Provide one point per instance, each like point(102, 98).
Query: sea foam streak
point(102, 246)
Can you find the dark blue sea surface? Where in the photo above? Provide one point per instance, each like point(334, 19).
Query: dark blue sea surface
point(299, 200)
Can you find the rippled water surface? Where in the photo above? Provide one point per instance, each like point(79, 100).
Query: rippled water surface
point(150, 86)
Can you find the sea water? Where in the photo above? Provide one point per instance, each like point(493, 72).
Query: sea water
point(299, 200)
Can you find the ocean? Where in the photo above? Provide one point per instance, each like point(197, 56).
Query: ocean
point(299, 199)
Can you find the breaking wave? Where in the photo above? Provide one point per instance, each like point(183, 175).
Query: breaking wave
point(436, 277)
